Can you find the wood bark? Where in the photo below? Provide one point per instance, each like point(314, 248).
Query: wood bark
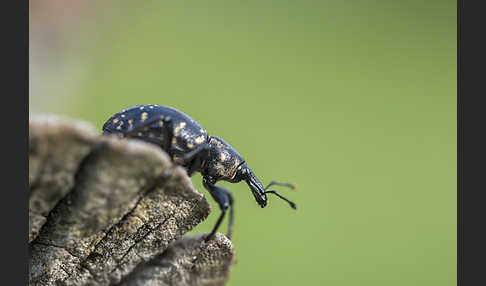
point(110, 211)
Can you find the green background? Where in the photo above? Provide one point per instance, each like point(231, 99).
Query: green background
point(354, 101)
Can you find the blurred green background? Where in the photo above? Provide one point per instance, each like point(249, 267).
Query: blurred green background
point(354, 101)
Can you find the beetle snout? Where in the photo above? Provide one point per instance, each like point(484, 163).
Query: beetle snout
point(261, 199)
point(256, 188)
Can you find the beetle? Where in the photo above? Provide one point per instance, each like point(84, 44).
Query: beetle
point(189, 145)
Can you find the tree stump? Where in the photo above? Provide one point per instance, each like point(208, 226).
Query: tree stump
point(110, 211)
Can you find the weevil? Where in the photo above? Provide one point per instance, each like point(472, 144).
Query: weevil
point(189, 145)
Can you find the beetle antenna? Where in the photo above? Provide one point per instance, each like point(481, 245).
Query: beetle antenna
point(292, 205)
point(289, 185)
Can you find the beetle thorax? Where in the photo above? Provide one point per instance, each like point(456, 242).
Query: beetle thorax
point(223, 160)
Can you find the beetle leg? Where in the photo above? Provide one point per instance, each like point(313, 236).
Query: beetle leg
point(231, 208)
point(224, 199)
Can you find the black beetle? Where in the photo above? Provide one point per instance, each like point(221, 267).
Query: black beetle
point(189, 145)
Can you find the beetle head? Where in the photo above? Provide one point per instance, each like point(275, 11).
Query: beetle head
point(259, 192)
point(225, 163)
point(245, 173)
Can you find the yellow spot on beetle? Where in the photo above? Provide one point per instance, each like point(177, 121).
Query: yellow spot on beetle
point(115, 120)
point(199, 139)
point(141, 108)
point(219, 169)
point(130, 123)
point(119, 126)
point(222, 157)
point(174, 140)
point(190, 145)
point(178, 128)
point(144, 116)
point(123, 115)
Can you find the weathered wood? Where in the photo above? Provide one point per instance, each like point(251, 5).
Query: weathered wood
point(56, 148)
point(100, 207)
point(175, 267)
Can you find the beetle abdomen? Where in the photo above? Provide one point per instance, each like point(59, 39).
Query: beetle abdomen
point(131, 117)
point(172, 130)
